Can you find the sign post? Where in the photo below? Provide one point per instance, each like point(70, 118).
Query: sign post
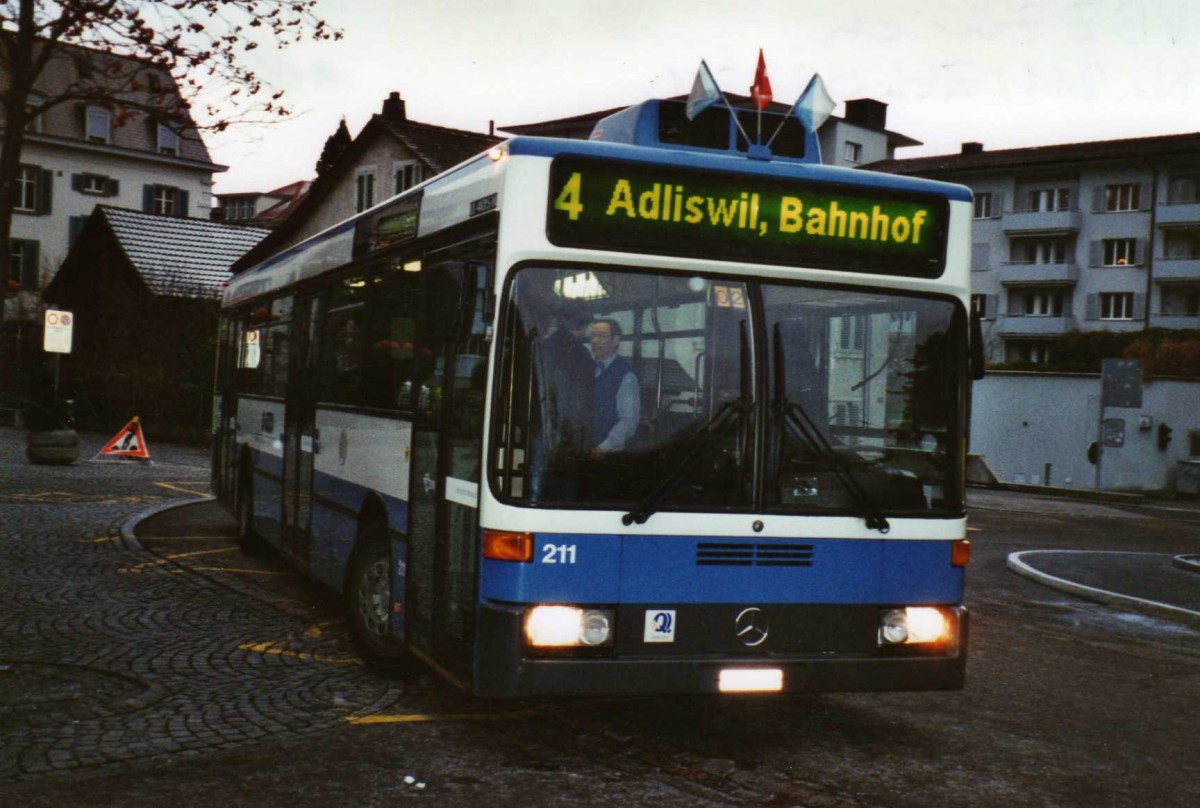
point(56, 339)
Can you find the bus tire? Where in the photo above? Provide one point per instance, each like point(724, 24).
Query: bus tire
point(249, 542)
point(369, 600)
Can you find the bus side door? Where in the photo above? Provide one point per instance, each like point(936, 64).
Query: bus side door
point(300, 440)
point(446, 462)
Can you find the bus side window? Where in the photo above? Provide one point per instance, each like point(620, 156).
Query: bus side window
point(249, 357)
point(277, 348)
point(340, 368)
point(391, 332)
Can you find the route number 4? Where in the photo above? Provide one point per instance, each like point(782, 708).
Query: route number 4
point(558, 554)
point(569, 198)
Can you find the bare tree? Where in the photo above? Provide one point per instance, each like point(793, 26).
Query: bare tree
point(150, 58)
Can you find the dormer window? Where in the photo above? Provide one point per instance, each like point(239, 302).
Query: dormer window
point(98, 123)
point(168, 140)
point(33, 107)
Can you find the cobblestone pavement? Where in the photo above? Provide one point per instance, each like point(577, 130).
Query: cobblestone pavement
point(78, 686)
point(122, 659)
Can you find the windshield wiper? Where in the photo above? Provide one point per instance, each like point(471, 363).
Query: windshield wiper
point(798, 418)
point(704, 436)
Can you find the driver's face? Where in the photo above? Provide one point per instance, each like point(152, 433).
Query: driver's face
point(604, 341)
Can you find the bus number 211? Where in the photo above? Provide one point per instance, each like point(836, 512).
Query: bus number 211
point(558, 554)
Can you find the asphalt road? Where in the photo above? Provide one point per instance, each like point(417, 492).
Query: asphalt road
point(175, 670)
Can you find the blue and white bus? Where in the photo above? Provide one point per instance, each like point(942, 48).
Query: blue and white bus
point(786, 509)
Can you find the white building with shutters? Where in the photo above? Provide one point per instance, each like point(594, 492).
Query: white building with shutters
point(1082, 236)
point(79, 154)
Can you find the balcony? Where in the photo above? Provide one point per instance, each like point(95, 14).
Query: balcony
point(1016, 325)
point(1176, 270)
point(1178, 214)
point(1041, 221)
point(1064, 274)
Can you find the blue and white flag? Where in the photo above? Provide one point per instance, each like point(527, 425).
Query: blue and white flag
point(814, 106)
point(704, 93)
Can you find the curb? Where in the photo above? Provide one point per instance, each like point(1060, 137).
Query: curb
point(1191, 563)
point(1086, 495)
point(1151, 608)
point(129, 537)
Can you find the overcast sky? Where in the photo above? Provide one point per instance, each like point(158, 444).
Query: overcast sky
point(1008, 74)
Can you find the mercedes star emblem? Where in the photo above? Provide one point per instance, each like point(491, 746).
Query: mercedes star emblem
point(752, 627)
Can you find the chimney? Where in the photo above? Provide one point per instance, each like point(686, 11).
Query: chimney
point(867, 113)
point(393, 107)
point(972, 148)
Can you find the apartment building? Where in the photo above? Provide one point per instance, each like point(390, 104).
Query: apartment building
point(83, 153)
point(1088, 236)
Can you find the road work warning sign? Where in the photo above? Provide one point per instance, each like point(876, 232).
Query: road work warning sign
point(129, 442)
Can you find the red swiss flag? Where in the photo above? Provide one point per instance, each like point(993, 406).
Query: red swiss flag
point(760, 91)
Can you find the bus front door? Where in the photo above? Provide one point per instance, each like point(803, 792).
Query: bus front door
point(446, 464)
point(300, 438)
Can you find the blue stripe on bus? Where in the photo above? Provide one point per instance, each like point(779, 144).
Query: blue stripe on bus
point(336, 504)
point(349, 496)
point(779, 170)
point(611, 569)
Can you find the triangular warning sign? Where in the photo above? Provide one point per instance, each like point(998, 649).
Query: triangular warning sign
point(129, 442)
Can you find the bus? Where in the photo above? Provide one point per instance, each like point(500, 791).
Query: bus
point(784, 509)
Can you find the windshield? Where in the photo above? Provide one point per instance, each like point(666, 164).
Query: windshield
point(865, 397)
point(641, 391)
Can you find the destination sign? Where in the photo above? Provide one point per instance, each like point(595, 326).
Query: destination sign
point(638, 207)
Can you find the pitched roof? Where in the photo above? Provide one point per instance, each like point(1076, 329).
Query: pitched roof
point(1162, 146)
point(437, 147)
point(289, 196)
point(122, 84)
point(179, 257)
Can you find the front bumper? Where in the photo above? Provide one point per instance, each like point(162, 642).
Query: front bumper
point(505, 670)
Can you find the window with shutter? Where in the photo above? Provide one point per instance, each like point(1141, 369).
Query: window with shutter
point(26, 196)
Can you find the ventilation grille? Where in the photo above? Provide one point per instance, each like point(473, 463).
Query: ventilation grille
point(718, 554)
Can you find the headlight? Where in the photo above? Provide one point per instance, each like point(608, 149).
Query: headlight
point(566, 626)
point(914, 625)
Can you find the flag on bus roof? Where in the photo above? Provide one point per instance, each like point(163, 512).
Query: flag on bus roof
point(704, 93)
point(760, 91)
point(814, 106)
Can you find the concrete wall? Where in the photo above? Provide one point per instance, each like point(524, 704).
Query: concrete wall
point(1030, 425)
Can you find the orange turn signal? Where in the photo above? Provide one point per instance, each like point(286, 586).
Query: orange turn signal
point(500, 545)
point(960, 553)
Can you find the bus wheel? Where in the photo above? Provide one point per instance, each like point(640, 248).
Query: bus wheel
point(369, 602)
point(248, 539)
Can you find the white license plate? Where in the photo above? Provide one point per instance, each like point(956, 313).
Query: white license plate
point(750, 680)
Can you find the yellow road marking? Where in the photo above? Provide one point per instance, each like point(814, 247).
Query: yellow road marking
point(416, 718)
point(167, 559)
point(181, 489)
point(269, 648)
point(100, 540)
point(318, 629)
point(61, 497)
point(237, 570)
point(183, 538)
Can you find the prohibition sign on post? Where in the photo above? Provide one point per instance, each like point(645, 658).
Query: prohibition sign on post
point(57, 331)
